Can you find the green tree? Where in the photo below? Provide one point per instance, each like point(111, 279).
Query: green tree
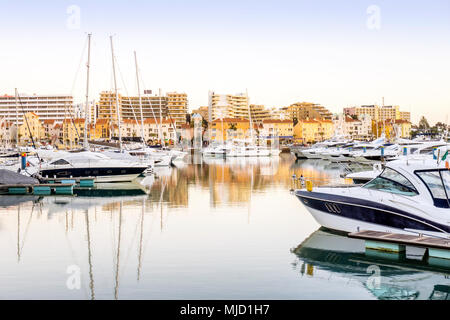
point(423, 124)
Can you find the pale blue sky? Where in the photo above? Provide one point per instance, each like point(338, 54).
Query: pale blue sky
point(281, 51)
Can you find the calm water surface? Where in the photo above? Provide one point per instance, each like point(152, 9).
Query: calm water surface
point(204, 230)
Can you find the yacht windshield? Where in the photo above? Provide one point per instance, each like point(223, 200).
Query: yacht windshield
point(438, 182)
point(59, 162)
point(392, 181)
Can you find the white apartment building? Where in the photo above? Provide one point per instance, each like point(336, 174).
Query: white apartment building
point(55, 107)
point(358, 129)
point(228, 106)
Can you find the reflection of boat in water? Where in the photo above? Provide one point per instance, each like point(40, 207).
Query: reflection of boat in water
point(111, 190)
point(163, 171)
point(62, 204)
point(10, 201)
point(404, 279)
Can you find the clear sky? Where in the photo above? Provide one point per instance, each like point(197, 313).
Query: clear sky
point(337, 53)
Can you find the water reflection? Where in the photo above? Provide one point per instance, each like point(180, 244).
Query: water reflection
point(217, 229)
point(330, 256)
point(232, 181)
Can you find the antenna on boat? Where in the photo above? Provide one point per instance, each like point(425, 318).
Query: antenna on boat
point(17, 121)
point(28, 126)
point(140, 102)
point(116, 93)
point(86, 107)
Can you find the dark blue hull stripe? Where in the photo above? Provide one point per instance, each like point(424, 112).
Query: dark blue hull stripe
point(368, 211)
point(91, 172)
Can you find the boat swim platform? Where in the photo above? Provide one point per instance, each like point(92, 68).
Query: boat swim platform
point(81, 181)
point(394, 243)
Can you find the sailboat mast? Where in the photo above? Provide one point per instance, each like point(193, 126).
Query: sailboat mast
point(116, 93)
point(85, 141)
point(160, 121)
point(140, 101)
point(17, 121)
point(249, 116)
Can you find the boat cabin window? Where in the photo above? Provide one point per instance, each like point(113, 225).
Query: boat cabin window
point(392, 181)
point(59, 162)
point(438, 183)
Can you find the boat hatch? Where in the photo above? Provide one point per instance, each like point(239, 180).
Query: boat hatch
point(59, 162)
point(392, 181)
point(438, 183)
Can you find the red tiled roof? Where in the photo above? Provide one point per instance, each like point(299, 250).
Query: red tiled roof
point(154, 121)
point(102, 121)
point(231, 120)
point(402, 121)
point(276, 121)
point(308, 121)
point(77, 120)
point(129, 121)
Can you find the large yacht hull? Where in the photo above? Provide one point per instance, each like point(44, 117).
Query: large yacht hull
point(113, 174)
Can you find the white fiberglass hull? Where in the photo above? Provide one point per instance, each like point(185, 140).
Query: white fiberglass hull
point(338, 223)
point(117, 178)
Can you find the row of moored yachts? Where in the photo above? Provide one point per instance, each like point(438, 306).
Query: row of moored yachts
point(104, 165)
point(409, 194)
point(338, 150)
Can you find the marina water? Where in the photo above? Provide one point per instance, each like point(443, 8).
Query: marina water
point(206, 229)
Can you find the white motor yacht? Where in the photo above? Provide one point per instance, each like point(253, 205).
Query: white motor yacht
point(409, 197)
point(92, 164)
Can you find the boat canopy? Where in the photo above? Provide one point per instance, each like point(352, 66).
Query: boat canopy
point(438, 183)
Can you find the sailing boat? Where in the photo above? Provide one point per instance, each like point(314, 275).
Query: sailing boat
point(92, 164)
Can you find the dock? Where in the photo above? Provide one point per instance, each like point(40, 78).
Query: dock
point(82, 182)
point(394, 244)
point(49, 186)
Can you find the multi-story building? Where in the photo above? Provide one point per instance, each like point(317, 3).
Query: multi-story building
point(92, 111)
point(203, 111)
point(284, 129)
point(73, 131)
point(307, 110)
point(259, 113)
point(129, 107)
point(177, 107)
point(57, 107)
point(358, 129)
point(228, 106)
point(371, 110)
point(378, 113)
point(7, 132)
point(30, 128)
point(311, 131)
point(154, 128)
point(229, 128)
point(52, 130)
point(405, 115)
point(403, 128)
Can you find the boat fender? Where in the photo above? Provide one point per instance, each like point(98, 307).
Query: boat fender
point(309, 185)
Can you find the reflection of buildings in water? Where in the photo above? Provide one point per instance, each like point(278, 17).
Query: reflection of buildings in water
point(231, 180)
point(318, 171)
point(12, 200)
point(332, 254)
